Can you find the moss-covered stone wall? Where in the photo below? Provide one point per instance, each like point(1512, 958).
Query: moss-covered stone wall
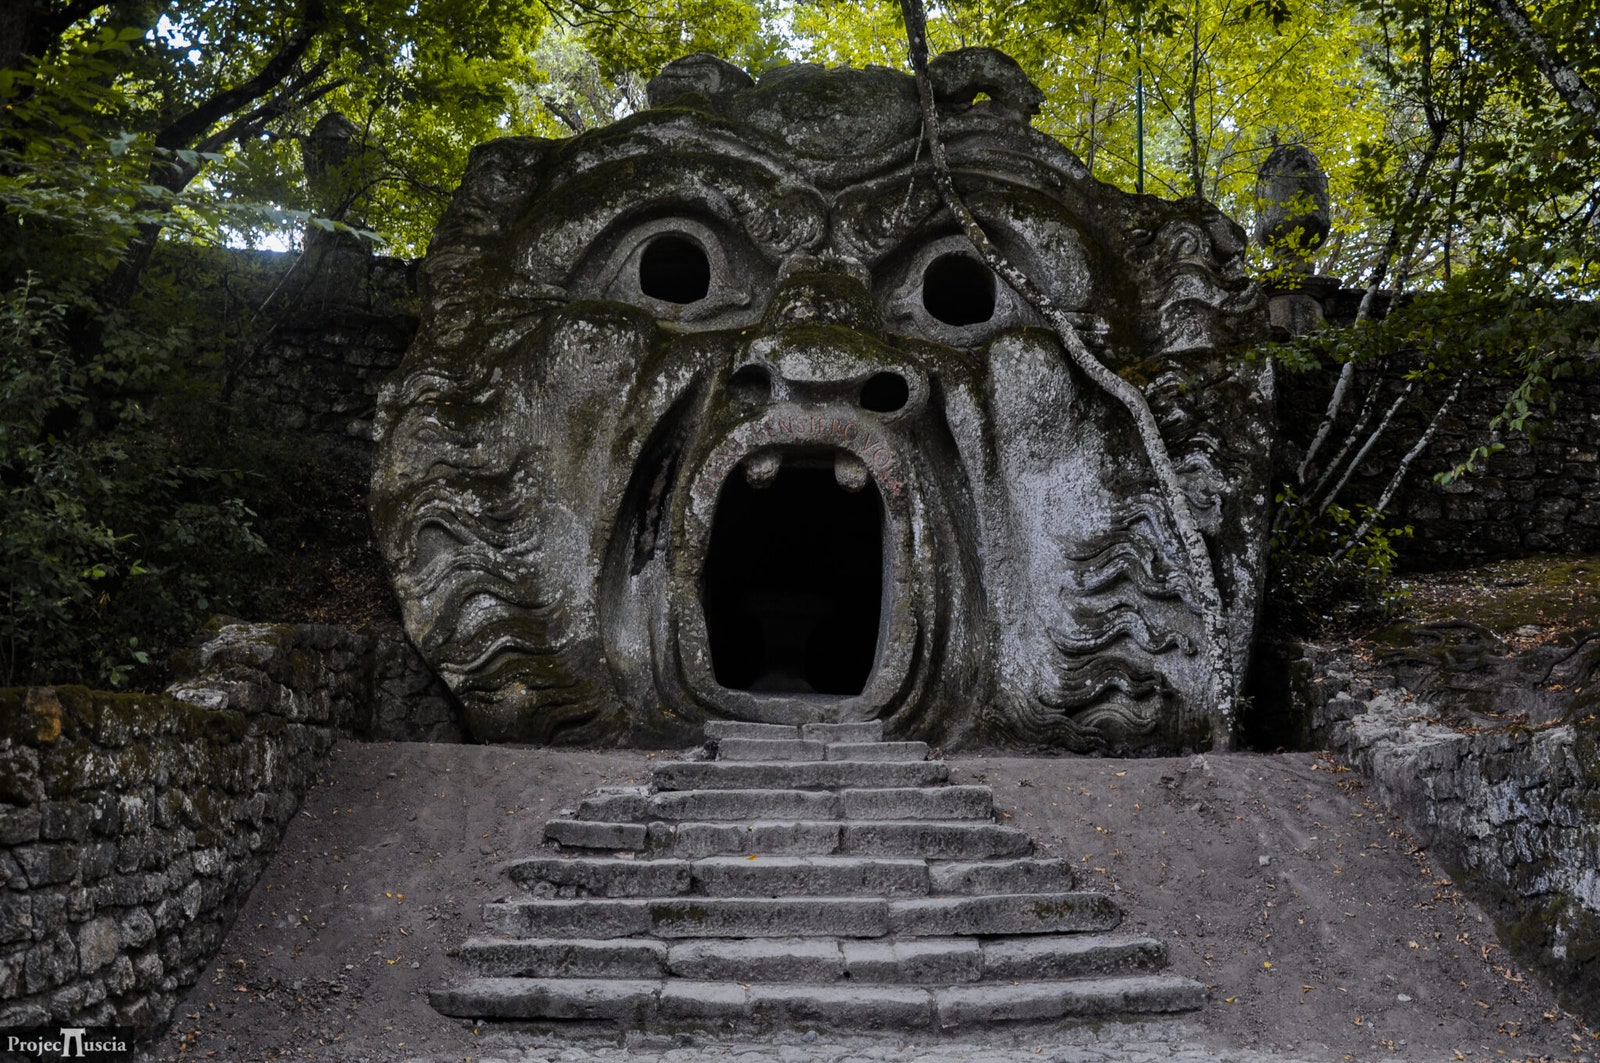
point(1513, 811)
point(133, 826)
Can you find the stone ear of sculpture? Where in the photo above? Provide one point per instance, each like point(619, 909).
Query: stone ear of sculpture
point(714, 413)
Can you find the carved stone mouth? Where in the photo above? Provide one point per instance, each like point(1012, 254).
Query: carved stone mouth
point(792, 598)
point(793, 583)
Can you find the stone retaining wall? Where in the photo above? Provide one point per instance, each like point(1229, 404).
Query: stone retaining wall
point(1528, 498)
point(133, 826)
point(1511, 810)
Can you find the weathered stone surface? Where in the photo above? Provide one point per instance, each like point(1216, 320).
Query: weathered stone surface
point(933, 961)
point(1035, 958)
point(877, 751)
point(539, 998)
point(601, 878)
point(864, 731)
point(728, 367)
point(933, 840)
point(762, 960)
point(829, 775)
point(569, 958)
point(1002, 876)
point(710, 839)
point(588, 834)
point(945, 802)
point(815, 876)
point(569, 918)
point(843, 1007)
point(1013, 913)
point(772, 749)
point(983, 1005)
point(743, 805)
point(693, 917)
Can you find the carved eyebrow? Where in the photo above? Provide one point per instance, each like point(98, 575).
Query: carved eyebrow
point(775, 213)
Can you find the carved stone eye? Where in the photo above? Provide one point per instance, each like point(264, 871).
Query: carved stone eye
point(958, 290)
point(674, 269)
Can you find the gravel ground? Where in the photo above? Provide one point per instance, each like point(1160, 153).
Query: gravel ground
point(1323, 932)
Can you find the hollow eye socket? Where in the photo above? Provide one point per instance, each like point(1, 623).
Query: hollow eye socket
point(674, 269)
point(884, 392)
point(958, 290)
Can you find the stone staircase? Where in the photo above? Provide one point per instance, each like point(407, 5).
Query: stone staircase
point(812, 876)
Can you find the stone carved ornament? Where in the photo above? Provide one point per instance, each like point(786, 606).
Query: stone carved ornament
point(714, 414)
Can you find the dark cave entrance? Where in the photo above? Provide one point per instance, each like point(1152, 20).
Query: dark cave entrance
point(793, 583)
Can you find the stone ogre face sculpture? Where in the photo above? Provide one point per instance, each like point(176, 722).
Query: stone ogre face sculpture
point(715, 414)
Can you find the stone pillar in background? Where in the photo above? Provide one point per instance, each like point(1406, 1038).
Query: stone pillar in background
point(1292, 221)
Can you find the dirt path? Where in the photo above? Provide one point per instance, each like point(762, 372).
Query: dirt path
point(1323, 932)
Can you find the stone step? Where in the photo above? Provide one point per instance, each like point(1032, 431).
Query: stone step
point(819, 960)
point(803, 749)
point(915, 961)
point(772, 876)
point(663, 1003)
point(866, 731)
point(926, 839)
point(566, 957)
point(797, 775)
point(768, 917)
point(771, 749)
point(639, 805)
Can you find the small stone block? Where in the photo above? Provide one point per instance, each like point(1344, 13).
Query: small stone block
point(933, 840)
point(1069, 956)
point(812, 876)
point(739, 917)
point(589, 834)
point(1016, 913)
point(865, 731)
point(766, 749)
point(851, 1007)
point(932, 961)
point(822, 775)
point(703, 1001)
point(537, 998)
point(562, 919)
point(565, 958)
point(721, 730)
point(1081, 998)
point(1003, 876)
point(616, 804)
point(942, 802)
point(878, 751)
point(762, 960)
point(743, 805)
point(713, 839)
point(587, 877)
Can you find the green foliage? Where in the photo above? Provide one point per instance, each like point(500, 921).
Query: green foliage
point(114, 545)
point(1310, 591)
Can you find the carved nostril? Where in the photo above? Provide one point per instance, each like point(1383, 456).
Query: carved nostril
point(958, 290)
point(884, 392)
point(751, 383)
point(675, 269)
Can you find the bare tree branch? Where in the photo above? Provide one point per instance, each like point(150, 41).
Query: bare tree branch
point(1567, 82)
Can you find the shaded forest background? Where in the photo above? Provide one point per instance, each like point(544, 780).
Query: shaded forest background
point(1461, 142)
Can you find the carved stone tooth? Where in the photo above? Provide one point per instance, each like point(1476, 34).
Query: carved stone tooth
point(849, 471)
point(761, 468)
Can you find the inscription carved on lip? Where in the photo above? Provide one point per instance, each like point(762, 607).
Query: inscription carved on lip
point(804, 429)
